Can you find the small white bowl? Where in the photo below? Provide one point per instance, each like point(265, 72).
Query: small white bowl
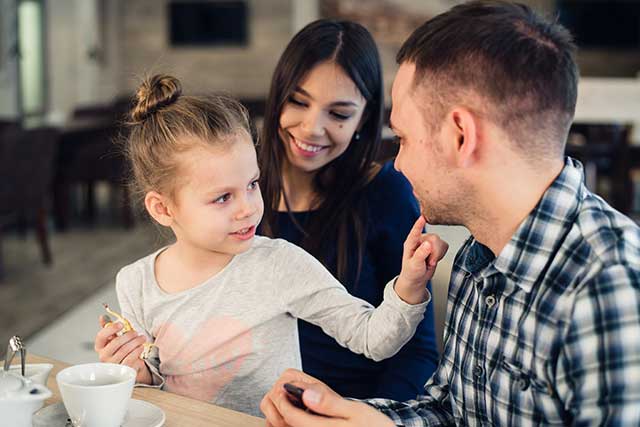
point(36, 372)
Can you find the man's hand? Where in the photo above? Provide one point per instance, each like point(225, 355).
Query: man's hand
point(329, 408)
point(420, 256)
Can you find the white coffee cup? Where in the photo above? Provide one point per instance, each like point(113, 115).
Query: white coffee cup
point(96, 394)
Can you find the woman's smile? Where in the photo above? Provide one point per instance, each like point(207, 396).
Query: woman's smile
point(305, 148)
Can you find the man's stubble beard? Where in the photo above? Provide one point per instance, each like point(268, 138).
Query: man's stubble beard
point(447, 207)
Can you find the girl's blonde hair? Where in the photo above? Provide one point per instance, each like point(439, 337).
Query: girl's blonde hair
point(164, 122)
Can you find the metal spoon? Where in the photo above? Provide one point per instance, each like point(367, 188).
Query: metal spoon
point(15, 345)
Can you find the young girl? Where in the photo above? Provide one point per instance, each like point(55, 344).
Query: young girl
point(325, 192)
point(220, 303)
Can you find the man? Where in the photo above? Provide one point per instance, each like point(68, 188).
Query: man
point(543, 323)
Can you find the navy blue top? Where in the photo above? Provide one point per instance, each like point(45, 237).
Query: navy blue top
point(392, 212)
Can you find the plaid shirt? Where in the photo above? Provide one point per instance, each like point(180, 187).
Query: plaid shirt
point(547, 333)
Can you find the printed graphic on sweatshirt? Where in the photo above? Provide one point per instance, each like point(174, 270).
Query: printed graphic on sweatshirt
point(201, 365)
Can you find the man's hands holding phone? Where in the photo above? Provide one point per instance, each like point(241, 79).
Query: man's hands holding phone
point(324, 407)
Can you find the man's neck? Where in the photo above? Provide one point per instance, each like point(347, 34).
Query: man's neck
point(506, 203)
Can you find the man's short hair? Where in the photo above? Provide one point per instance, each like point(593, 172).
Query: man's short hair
point(520, 66)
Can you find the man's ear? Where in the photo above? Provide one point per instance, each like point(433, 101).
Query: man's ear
point(464, 125)
point(158, 207)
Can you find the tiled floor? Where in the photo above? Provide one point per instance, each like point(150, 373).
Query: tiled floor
point(85, 259)
point(70, 338)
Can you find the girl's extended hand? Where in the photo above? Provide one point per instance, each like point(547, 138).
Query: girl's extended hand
point(421, 254)
point(123, 350)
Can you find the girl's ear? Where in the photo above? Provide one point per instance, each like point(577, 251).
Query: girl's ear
point(157, 206)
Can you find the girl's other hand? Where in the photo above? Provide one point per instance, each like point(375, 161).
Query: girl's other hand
point(123, 350)
point(421, 254)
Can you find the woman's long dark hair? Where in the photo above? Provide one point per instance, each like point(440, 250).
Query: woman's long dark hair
point(339, 184)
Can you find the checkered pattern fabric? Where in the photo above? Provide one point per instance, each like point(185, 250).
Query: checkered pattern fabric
point(546, 333)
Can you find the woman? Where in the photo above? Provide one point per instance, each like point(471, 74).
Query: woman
point(324, 191)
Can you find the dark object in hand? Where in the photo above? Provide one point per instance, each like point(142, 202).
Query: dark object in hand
point(295, 395)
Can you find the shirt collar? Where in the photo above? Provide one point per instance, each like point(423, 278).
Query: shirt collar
point(535, 242)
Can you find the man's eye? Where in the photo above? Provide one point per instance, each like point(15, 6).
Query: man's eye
point(223, 198)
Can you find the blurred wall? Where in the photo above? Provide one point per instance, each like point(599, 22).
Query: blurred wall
point(8, 60)
point(83, 54)
point(391, 22)
point(241, 71)
point(99, 50)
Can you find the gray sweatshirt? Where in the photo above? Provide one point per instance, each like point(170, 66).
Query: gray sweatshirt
point(227, 340)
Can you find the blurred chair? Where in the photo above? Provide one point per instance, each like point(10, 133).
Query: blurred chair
point(256, 108)
point(87, 155)
point(604, 150)
point(27, 161)
point(8, 124)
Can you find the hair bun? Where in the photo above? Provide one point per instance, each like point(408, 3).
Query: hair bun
point(153, 94)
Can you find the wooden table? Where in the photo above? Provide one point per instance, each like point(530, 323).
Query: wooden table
point(179, 410)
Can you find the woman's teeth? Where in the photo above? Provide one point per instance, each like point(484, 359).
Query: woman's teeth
point(307, 147)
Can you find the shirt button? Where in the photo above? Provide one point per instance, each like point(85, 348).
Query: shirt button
point(478, 371)
point(523, 383)
point(550, 389)
point(490, 301)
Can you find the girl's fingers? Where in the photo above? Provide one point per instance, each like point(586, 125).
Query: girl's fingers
point(103, 321)
point(422, 253)
point(133, 357)
point(127, 348)
point(438, 250)
point(413, 238)
point(106, 335)
point(115, 344)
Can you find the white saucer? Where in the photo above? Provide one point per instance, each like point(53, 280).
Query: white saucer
point(139, 414)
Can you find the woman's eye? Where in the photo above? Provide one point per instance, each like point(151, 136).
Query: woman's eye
point(254, 185)
point(223, 198)
point(340, 116)
point(296, 102)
